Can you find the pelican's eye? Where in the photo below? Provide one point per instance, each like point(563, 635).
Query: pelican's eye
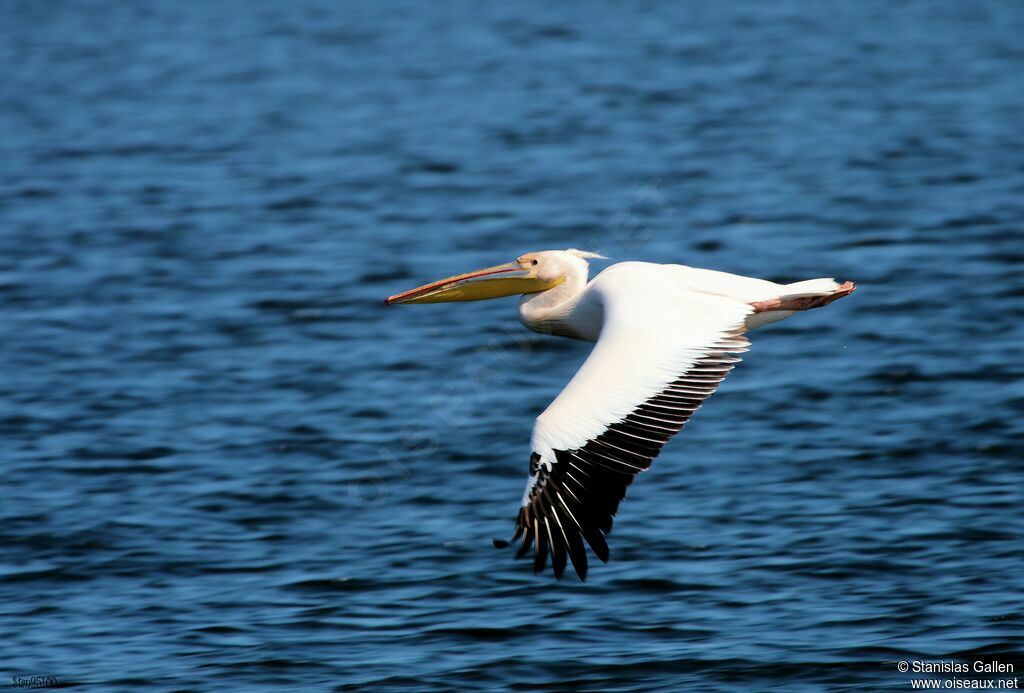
point(533, 262)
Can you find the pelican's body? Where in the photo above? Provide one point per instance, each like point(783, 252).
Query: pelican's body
point(666, 336)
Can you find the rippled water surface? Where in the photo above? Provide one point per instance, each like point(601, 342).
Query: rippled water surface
point(227, 466)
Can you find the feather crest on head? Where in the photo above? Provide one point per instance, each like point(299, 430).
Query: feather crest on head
point(585, 254)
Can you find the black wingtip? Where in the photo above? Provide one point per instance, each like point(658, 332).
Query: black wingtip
point(499, 543)
point(597, 543)
point(558, 560)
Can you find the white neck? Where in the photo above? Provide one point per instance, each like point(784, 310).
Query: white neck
point(558, 311)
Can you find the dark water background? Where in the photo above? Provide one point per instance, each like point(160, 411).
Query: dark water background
point(227, 466)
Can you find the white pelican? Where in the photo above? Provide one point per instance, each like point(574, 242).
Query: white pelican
point(666, 336)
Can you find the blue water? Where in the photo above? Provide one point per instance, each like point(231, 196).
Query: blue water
point(227, 466)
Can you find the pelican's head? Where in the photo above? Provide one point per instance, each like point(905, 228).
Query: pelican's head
point(528, 274)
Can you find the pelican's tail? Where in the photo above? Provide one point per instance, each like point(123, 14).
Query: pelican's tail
point(813, 293)
point(810, 287)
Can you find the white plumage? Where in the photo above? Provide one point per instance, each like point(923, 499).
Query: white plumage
point(654, 327)
point(666, 335)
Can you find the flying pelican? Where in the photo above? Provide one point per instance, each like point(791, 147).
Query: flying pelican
point(666, 336)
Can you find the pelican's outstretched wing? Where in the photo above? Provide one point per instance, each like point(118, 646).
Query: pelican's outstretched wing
point(663, 350)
